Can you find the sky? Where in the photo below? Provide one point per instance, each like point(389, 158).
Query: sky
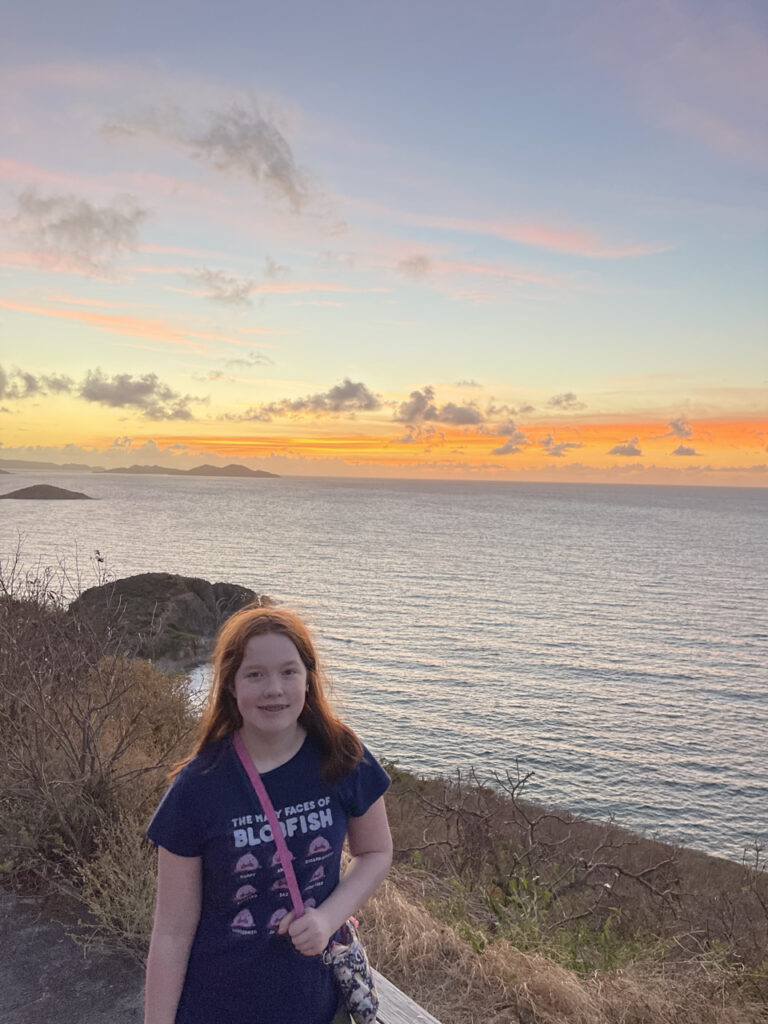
point(494, 241)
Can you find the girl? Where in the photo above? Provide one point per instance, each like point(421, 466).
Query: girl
point(226, 947)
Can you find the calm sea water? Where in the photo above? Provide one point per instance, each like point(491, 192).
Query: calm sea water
point(610, 639)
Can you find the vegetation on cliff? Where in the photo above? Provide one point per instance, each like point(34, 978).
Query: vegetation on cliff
point(496, 910)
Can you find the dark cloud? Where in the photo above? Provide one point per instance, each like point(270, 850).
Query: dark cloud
point(514, 443)
point(682, 450)
point(349, 396)
point(154, 399)
point(467, 384)
point(420, 407)
point(273, 269)
point(493, 411)
point(421, 434)
point(567, 401)
point(211, 375)
point(242, 140)
point(234, 291)
point(220, 287)
point(69, 231)
point(505, 428)
point(627, 448)
point(58, 383)
point(557, 449)
point(250, 359)
point(680, 427)
point(21, 384)
point(417, 266)
point(459, 415)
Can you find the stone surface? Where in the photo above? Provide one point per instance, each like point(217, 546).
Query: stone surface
point(46, 978)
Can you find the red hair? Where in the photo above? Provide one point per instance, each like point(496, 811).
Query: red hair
point(341, 749)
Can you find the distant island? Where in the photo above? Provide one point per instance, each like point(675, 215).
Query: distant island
point(47, 492)
point(11, 465)
point(231, 470)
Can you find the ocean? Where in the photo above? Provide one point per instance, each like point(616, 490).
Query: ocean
point(609, 639)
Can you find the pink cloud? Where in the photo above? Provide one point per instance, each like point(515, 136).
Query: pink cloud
point(578, 241)
point(143, 327)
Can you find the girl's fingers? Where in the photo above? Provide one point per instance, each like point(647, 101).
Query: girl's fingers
point(285, 923)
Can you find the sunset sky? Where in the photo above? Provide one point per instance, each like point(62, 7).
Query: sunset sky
point(488, 240)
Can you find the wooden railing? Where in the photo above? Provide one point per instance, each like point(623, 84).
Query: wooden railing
point(397, 1008)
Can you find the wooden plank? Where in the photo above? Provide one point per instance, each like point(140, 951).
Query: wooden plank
point(397, 1008)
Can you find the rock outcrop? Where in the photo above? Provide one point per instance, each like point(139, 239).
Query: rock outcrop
point(164, 617)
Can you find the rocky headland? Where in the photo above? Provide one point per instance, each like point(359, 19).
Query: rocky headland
point(165, 617)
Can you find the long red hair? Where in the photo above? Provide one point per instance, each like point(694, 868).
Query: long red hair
point(341, 749)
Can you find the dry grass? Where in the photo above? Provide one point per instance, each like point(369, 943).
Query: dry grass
point(440, 970)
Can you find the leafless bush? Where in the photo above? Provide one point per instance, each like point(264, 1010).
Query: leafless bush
point(85, 730)
point(590, 894)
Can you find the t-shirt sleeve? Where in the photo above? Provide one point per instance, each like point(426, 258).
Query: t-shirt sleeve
point(363, 786)
point(176, 825)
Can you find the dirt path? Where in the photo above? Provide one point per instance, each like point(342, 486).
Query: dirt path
point(45, 978)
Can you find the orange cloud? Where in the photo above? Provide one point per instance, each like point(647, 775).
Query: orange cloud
point(720, 446)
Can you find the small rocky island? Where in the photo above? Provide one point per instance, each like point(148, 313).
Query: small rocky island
point(164, 617)
point(47, 492)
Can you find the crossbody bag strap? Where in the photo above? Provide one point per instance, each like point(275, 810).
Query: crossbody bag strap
point(277, 833)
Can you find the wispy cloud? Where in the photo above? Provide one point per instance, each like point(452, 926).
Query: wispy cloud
point(698, 69)
point(557, 449)
point(538, 234)
point(241, 139)
point(251, 359)
point(220, 287)
point(68, 231)
point(567, 401)
point(126, 324)
point(514, 444)
point(416, 266)
point(679, 427)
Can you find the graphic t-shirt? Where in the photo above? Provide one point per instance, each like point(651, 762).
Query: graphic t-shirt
point(240, 971)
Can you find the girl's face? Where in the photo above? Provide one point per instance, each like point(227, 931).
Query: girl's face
point(270, 685)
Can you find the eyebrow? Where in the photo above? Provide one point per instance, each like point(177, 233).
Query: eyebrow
point(245, 663)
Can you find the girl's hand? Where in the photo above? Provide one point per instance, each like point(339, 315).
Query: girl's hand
point(309, 933)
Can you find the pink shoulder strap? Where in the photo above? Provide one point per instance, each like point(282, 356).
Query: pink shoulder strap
point(266, 805)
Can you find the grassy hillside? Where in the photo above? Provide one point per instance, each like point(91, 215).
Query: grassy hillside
point(496, 910)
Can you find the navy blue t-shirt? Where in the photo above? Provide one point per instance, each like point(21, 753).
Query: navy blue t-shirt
point(240, 971)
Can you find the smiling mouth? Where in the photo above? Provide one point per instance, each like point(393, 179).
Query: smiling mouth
point(273, 707)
